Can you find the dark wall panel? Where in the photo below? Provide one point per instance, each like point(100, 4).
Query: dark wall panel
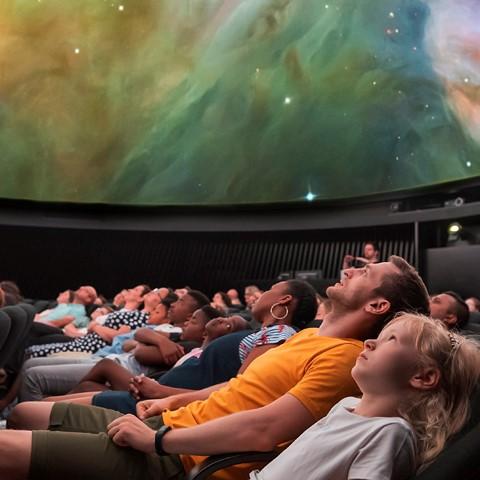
point(45, 260)
point(462, 265)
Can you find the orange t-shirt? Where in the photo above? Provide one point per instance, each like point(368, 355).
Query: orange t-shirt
point(314, 369)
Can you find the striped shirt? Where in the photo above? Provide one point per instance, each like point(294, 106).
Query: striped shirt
point(271, 335)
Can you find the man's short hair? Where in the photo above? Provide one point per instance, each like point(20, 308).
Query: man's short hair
point(405, 290)
point(170, 298)
point(200, 298)
point(460, 310)
point(212, 312)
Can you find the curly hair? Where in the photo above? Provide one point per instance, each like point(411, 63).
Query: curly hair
point(306, 302)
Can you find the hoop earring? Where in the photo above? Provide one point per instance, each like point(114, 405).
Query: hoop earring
point(276, 317)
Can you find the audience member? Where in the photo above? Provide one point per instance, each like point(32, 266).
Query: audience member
point(371, 254)
point(252, 293)
point(235, 298)
point(119, 299)
point(222, 301)
point(70, 308)
point(451, 309)
point(12, 292)
point(181, 311)
point(473, 304)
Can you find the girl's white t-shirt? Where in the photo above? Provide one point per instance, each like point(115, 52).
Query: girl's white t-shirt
point(344, 445)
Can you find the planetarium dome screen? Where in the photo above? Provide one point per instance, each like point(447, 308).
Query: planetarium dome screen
point(213, 102)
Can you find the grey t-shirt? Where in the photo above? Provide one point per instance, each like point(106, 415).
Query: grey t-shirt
point(344, 445)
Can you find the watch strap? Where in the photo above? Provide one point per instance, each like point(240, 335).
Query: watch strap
point(161, 432)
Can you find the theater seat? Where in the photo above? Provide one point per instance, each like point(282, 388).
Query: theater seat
point(474, 318)
point(21, 319)
point(219, 462)
point(41, 305)
point(460, 459)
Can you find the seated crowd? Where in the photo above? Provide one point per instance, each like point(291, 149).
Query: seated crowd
point(369, 382)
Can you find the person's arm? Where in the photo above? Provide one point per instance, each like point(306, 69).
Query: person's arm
point(164, 391)
point(62, 322)
point(254, 353)
point(72, 331)
point(164, 353)
point(150, 408)
point(261, 430)
point(362, 260)
point(129, 345)
point(155, 349)
point(347, 261)
point(108, 334)
point(44, 313)
point(149, 336)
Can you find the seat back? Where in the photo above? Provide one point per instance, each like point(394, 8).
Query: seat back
point(21, 318)
point(461, 458)
point(41, 305)
point(474, 318)
point(5, 325)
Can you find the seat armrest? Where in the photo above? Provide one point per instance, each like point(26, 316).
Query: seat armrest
point(219, 462)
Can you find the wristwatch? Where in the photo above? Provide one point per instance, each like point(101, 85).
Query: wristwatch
point(161, 432)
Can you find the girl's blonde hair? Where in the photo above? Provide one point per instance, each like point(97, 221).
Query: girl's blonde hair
point(438, 413)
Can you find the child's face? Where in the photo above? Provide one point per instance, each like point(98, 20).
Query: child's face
point(194, 328)
point(387, 365)
point(158, 315)
point(220, 326)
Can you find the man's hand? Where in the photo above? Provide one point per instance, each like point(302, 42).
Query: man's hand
point(129, 431)
point(151, 408)
point(347, 261)
point(171, 351)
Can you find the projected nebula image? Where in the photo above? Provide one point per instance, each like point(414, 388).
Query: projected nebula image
point(211, 102)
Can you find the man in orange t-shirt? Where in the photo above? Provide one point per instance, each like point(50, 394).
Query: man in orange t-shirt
point(281, 394)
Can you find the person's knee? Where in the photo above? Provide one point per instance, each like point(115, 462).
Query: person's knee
point(31, 384)
point(29, 416)
point(105, 363)
point(16, 419)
